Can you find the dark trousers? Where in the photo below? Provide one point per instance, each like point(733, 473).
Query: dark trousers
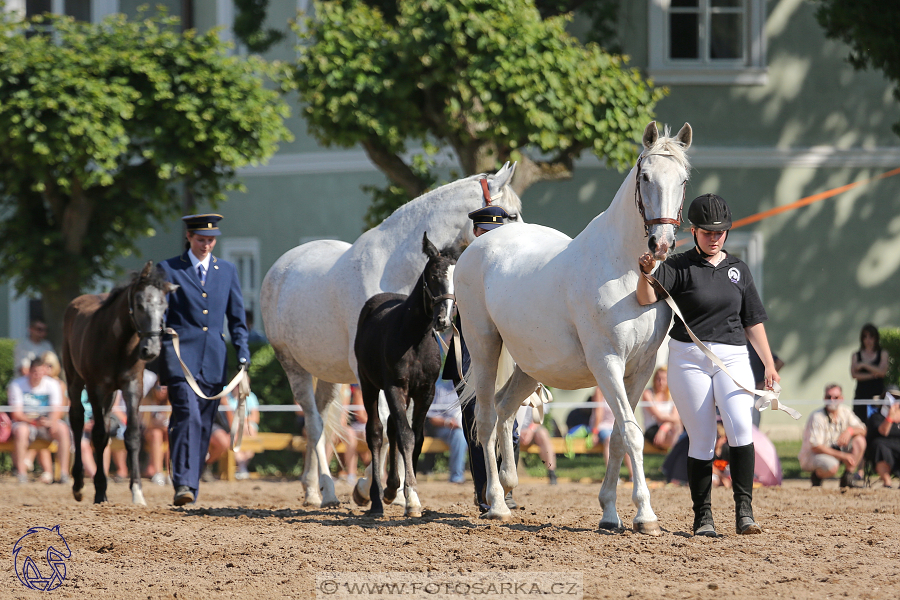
point(190, 428)
point(476, 452)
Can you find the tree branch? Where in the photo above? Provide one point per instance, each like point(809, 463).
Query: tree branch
point(393, 166)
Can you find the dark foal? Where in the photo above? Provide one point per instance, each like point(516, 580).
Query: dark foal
point(108, 338)
point(396, 351)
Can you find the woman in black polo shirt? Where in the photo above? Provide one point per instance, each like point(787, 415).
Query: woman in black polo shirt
point(716, 294)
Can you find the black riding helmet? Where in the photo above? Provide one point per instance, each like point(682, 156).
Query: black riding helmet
point(710, 212)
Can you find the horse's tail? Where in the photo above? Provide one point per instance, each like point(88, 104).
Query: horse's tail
point(505, 367)
point(334, 428)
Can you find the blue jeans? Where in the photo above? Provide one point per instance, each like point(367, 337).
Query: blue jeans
point(457, 442)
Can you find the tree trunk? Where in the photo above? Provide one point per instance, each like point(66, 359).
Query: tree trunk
point(54, 302)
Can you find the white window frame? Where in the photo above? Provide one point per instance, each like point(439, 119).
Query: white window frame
point(234, 249)
point(99, 8)
point(666, 71)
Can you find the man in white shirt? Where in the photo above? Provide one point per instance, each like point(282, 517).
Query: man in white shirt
point(30, 396)
point(833, 436)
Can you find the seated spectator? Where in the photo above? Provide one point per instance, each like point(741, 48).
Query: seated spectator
point(27, 396)
point(35, 345)
point(220, 438)
point(54, 372)
point(533, 433)
point(117, 421)
point(156, 433)
point(445, 423)
point(884, 438)
point(662, 425)
point(833, 435)
point(601, 425)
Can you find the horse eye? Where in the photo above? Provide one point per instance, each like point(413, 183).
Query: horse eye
point(645, 177)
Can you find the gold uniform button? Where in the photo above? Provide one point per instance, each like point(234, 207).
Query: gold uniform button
point(205, 312)
point(205, 328)
point(204, 294)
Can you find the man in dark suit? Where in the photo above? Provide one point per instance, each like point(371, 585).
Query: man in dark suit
point(483, 220)
point(209, 292)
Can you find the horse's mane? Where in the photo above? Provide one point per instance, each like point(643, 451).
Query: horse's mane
point(666, 144)
point(508, 198)
point(154, 279)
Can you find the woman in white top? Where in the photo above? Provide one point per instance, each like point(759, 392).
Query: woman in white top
point(662, 425)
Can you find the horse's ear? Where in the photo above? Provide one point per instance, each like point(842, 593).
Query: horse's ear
point(148, 268)
point(651, 134)
point(428, 248)
point(685, 134)
point(170, 287)
point(503, 177)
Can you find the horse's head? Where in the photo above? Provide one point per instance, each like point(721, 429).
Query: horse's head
point(437, 279)
point(662, 175)
point(147, 305)
point(499, 192)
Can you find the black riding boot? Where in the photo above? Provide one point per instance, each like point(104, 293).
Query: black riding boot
point(743, 462)
point(700, 481)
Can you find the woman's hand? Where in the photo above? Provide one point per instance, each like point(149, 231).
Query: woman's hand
point(646, 262)
point(772, 377)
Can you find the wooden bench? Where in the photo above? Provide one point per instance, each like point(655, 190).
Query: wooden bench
point(10, 445)
point(430, 445)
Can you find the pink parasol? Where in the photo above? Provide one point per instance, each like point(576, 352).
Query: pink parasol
point(768, 466)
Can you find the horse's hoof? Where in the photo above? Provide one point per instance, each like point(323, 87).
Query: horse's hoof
point(374, 513)
point(413, 513)
point(331, 503)
point(389, 497)
point(617, 526)
point(648, 528)
point(313, 503)
point(497, 515)
point(358, 498)
point(78, 495)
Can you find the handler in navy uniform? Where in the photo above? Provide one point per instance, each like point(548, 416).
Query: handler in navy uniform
point(483, 220)
point(208, 293)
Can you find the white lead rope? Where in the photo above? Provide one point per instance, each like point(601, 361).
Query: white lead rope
point(239, 381)
point(767, 398)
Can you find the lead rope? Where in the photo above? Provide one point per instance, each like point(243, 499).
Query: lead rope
point(766, 398)
point(239, 381)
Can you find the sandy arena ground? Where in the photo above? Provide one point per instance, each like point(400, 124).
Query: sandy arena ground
point(254, 540)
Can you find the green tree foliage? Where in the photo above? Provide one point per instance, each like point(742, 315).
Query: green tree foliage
point(98, 123)
point(489, 80)
point(871, 29)
point(890, 342)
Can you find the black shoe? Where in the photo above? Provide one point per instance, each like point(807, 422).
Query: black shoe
point(552, 475)
point(183, 495)
point(815, 479)
point(207, 476)
point(699, 474)
point(847, 480)
point(510, 503)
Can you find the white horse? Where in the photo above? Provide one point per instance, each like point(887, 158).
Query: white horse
point(312, 296)
point(565, 311)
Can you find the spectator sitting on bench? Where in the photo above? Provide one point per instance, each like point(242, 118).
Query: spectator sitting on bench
point(156, 433)
point(662, 425)
point(534, 433)
point(220, 439)
point(28, 395)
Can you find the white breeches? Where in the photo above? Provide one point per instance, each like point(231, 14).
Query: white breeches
point(698, 386)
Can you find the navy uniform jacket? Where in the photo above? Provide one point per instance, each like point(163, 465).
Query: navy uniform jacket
point(197, 313)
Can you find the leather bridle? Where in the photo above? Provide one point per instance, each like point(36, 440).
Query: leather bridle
point(430, 300)
point(639, 201)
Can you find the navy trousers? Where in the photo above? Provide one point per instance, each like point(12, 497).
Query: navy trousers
point(476, 452)
point(190, 428)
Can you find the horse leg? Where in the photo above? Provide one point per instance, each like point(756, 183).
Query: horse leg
point(405, 441)
point(484, 368)
point(302, 389)
point(100, 438)
point(392, 482)
point(607, 497)
point(374, 438)
point(361, 490)
point(610, 374)
point(326, 400)
point(132, 399)
point(76, 418)
point(508, 401)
